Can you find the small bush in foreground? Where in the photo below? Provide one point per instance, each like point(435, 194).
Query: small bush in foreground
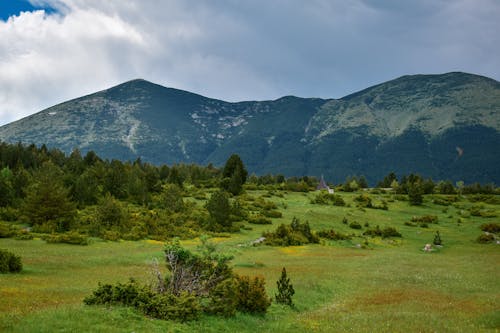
point(251, 293)
point(9, 262)
point(197, 282)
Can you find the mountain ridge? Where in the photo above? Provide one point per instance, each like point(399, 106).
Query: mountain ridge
point(416, 115)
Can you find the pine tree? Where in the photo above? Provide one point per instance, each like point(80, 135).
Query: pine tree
point(285, 290)
point(437, 239)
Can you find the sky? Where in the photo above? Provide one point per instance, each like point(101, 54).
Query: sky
point(55, 50)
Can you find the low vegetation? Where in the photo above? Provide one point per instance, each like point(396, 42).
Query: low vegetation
point(9, 262)
point(348, 266)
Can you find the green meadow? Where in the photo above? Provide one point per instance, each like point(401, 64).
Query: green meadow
point(360, 285)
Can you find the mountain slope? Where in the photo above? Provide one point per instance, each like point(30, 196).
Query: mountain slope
point(414, 123)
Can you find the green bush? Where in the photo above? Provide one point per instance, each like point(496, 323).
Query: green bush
point(251, 294)
point(9, 262)
point(425, 219)
point(7, 230)
point(222, 299)
point(259, 219)
point(486, 238)
point(363, 200)
point(184, 307)
point(325, 198)
point(355, 225)
point(437, 239)
point(296, 233)
point(272, 213)
point(493, 228)
point(333, 235)
point(384, 233)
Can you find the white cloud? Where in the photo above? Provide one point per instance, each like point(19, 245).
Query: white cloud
point(238, 50)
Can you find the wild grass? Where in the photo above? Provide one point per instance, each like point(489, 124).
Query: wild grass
point(385, 286)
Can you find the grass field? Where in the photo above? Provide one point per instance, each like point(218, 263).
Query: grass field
point(383, 286)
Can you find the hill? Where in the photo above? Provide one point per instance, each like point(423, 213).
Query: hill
point(441, 126)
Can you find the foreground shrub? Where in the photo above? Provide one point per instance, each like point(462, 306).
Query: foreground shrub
point(9, 262)
point(198, 282)
point(251, 294)
point(184, 307)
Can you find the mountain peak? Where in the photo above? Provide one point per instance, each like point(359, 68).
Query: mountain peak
point(410, 124)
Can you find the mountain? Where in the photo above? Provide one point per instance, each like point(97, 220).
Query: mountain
point(441, 126)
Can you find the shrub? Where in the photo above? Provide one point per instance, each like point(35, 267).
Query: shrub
point(9, 262)
point(111, 235)
point(486, 238)
point(251, 294)
point(259, 219)
point(355, 225)
point(333, 235)
point(6, 230)
point(296, 233)
point(272, 213)
point(285, 290)
point(425, 219)
point(223, 300)
point(363, 200)
point(437, 239)
point(384, 233)
point(184, 307)
point(493, 228)
point(390, 232)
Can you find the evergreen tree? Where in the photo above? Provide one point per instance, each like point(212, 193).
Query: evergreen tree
point(285, 290)
point(234, 175)
point(219, 208)
point(47, 204)
point(437, 239)
point(6, 188)
point(415, 194)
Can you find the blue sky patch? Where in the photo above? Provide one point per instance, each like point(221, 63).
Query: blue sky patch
point(14, 7)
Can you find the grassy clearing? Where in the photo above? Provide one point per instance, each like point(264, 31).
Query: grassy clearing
point(388, 286)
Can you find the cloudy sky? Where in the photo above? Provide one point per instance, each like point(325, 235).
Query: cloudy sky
point(55, 50)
